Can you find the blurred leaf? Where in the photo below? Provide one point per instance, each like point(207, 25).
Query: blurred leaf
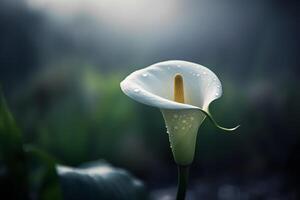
point(10, 136)
point(43, 176)
point(18, 165)
point(12, 155)
point(99, 180)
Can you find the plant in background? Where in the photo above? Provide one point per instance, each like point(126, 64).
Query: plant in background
point(183, 92)
point(28, 172)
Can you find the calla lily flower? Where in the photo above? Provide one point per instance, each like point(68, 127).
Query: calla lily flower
point(183, 92)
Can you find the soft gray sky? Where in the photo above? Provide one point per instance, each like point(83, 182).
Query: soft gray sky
point(135, 31)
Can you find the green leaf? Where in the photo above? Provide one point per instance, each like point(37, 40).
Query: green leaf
point(44, 180)
point(20, 165)
point(12, 156)
point(99, 180)
point(10, 135)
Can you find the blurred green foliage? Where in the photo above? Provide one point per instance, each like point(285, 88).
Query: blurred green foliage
point(13, 177)
point(79, 114)
point(27, 172)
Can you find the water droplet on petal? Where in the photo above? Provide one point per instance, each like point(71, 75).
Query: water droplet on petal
point(204, 72)
point(198, 75)
point(218, 86)
point(145, 75)
point(217, 94)
point(169, 67)
point(178, 66)
point(136, 90)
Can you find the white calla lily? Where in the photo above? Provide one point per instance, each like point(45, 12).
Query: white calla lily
point(183, 92)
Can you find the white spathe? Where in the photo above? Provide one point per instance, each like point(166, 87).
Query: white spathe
point(154, 86)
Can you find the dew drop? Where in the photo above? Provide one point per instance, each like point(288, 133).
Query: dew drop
point(136, 90)
point(204, 72)
point(175, 127)
point(169, 67)
point(175, 116)
point(178, 66)
point(198, 75)
point(217, 94)
point(218, 86)
point(145, 75)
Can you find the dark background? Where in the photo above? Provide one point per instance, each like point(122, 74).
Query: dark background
point(61, 63)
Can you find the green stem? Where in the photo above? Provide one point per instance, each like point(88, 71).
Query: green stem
point(183, 174)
